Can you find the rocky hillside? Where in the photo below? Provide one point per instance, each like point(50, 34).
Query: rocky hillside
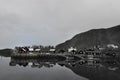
point(93, 38)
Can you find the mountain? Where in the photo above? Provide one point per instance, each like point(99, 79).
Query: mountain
point(92, 38)
point(6, 52)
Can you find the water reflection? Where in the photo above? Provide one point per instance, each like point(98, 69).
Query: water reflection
point(32, 62)
point(93, 69)
point(107, 69)
point(41, 70)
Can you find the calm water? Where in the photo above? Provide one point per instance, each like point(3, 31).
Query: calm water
point(11, 69)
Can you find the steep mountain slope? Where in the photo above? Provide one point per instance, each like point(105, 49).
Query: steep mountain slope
point(93, 38)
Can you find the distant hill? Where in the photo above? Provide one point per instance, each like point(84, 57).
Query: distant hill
point(93, 38)
point(6, 52)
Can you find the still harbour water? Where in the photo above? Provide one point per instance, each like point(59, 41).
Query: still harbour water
point(11, 69)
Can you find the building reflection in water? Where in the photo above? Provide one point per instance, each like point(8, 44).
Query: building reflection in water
point(34, 63)
point(94, 69)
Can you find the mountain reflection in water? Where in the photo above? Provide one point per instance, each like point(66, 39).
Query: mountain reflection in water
point(97, 69)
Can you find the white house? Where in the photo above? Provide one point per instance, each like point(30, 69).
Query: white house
point(71, 48)
point(37, 50)
point(52, 50)
point(31, 49)
point(112, 46)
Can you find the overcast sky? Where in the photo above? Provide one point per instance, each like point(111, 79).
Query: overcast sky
point(50, 22)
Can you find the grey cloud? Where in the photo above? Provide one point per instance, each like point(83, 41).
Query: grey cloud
point(50, 22)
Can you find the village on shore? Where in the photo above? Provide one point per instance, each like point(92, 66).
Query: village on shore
point(49, 53)
point(96, 50)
